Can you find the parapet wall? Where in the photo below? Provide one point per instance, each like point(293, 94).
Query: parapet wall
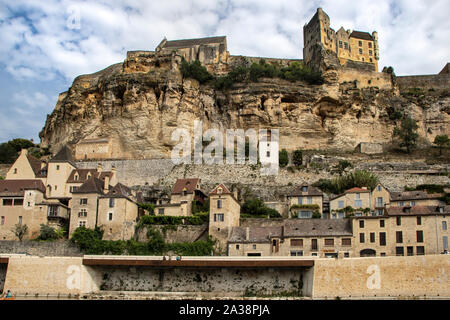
point(426, 82)
point(390, 277)
point(38, 248)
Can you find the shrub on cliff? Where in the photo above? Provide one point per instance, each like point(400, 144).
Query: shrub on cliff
point(358, 178)
point(257, 208)
point(297, 158)
point(407, 133)
point(195, 71)
point(442, 142)
point(283, 158)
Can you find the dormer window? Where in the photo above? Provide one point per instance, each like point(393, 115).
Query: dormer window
point(219, 190)
point(76, 177)
point(304, 189)
point(88, 176)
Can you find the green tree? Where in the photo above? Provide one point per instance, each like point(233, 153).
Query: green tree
point(20, 230)
point(196, 71)
point(19, 144)
point(48, 233)
point(283, 158)
point(297, 158)
point(7, 153)
point(342, 165)
point(442, 141)
point(257, 207)
point(407, 133)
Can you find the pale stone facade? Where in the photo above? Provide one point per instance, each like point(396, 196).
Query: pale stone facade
point(117, 217)
point(357, 198)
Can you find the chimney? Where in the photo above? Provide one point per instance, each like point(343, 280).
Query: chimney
point(113, 176)
point(365, 188)
point(99, 168)
point(235, 193)
point(106, 186)
point(247, 233)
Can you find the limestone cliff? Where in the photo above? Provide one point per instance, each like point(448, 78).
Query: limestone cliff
point(138, 103)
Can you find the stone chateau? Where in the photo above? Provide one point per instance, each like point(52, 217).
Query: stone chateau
point(382, 223)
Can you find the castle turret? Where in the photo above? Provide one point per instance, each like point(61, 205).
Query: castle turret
point(376, 49)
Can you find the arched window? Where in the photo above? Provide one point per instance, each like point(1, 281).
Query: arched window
point(367, 253)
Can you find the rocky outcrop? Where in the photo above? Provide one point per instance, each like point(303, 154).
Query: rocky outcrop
point(138, 103)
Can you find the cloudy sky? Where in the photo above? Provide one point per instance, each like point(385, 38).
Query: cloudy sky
point(44, 45)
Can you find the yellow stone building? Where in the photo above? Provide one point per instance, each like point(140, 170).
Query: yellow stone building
point(346, 44)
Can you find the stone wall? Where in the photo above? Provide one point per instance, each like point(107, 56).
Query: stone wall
point(40, 248)
point(182, 233)
point(426, 276)
point(224, 281)
point(426, 82)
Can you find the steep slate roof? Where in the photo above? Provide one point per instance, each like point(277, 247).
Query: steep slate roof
point(416, 210)
point(193, 42)
point(92, 185)
point(64, 155)
point(119, 191)
point(317, 227)
point(36, 166)
point(311, 191)
point(293, 228)
point(414, 195)
point(189, 184)
point(361, 35)
point(16, 188)
point(82, 175)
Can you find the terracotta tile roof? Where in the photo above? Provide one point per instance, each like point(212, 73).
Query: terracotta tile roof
point(189, 184)
point(82, 175)
point(416, 210)
point(225, 190)
point(92, 185)
point(16, 188)
point(192, 42)
point(310, 191)
point(361, 35)
point(414, 195)
point(357, 190)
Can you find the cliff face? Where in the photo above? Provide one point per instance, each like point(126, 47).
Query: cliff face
point(138, 103)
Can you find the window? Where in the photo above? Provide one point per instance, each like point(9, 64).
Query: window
point(413, 203)
point(15, 170)
point(219, 203)
point(358, 203)
point(304, 189)
point(382, 238)
point(419, 235)
point(82, 224)
point(380, 212)
point(358, 196)
point(371, 60)
point(420, 251)
point(379, 202)
point(399, 237)
point(419, 221)
point(445, 242)
point(361, 238)
point(254, 247)
point(346, 241)
point(83, 201)
point(329, 242)
point(370, 44)
point(309, 200)
point(76, 177)
point(341, 215)
point(381, 223)
point(18, 202)
point(410, 251)
point(72, 189)
point(346, 45)
point(378, 188)
point(444, 225)
point(218, 217)
point(20, 219)
point(300, 200)
point(361, 223)
point(7, 202)
point(372, 237)
point(296, 253)
point(296, 242)
point(82, 213)
point(399, 251)
point(360, 43)
point(370, 52)
point(340, 44)
point(305, 214)
point(111, 202)
point(56, 187)
point(313, 244)
point(2, 222)
point(360, 51)
point(160, 210)
point(237, 247)
point(341, 204)
point(53, 211)
point(57, 167)
point(399, 221)
point(346, 255)
point(29, 204)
